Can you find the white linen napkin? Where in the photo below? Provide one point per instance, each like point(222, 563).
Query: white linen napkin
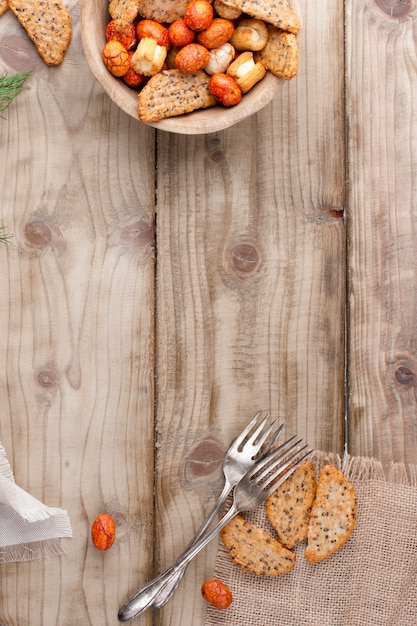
point(28, 529)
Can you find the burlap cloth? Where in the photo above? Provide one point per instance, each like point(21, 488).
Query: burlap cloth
point(371, 581)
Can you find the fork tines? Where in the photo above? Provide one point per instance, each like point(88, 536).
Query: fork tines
point(260, 432)
point(279, 464)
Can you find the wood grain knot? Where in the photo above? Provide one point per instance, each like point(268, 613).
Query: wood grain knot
point(38, 234)
point(337, 214)
point(244, 258)
point(242, 261)
point(406, 375)
point(47, 378)
point(204, 459)
point(217, 156)
point(19, 54)
point(214, 149)
point(137, 236)
point(326, 215)
point(395, 8)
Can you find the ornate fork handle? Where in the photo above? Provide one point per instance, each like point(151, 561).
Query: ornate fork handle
point(145, 597)
point(169, 588)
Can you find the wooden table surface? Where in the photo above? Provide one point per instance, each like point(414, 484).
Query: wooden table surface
point(160, 288)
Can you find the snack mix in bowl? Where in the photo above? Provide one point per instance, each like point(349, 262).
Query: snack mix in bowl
point(191, 66)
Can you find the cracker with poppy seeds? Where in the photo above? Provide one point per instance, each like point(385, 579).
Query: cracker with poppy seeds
point(126, 10)
point(280, 55)
point(288, 507)
point(164, 11)
point(333, 515)
point(171, 92)
point(48, 25)
point(224, 10)
point(254, 550)
point(276, 12)
point(4, 5)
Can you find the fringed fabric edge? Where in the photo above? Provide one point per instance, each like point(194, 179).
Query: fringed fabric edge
point(31, 551)
point(358, 468)
point(42, 513)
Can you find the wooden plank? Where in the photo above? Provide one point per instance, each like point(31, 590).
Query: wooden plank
point(76, 343)
point(381, 87)
point(250, 290)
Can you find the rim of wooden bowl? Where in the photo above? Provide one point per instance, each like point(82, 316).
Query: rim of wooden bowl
point(94, 17)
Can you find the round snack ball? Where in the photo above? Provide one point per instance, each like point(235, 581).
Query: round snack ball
point(132, 78)
point(217, 34)
point(198, 14)
point(126, 36)
point(180, 34)
point(225, 89)
point(103, 531)
point(155, 30)
point(116, 58)
point(216, 593)
point(192, 58)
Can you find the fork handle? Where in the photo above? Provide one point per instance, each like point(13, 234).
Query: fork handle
point(168, 589)
point(145, 597)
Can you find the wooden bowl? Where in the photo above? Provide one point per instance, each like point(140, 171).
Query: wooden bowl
point(94, 18)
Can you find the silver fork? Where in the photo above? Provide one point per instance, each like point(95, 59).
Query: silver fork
point(255, 440)
point(259, 482)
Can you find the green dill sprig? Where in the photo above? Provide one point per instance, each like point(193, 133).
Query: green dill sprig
point(4, 237)
point(10, 87)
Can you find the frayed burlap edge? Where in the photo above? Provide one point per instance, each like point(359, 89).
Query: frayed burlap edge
point(365, 468)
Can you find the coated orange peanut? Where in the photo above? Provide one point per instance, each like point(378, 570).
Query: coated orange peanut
point(116, 58)
point(132, 78)
point(198, 14)
point(125, 33)
point(180, 34)
point(192, 58)
point(225, 89)
point(103, 531)
point(218, 33)
point(216, 593)
point(150, 28)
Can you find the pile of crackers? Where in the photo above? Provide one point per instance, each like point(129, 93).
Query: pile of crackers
point(320, 511)
point(171, 92)
point(48, 25)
